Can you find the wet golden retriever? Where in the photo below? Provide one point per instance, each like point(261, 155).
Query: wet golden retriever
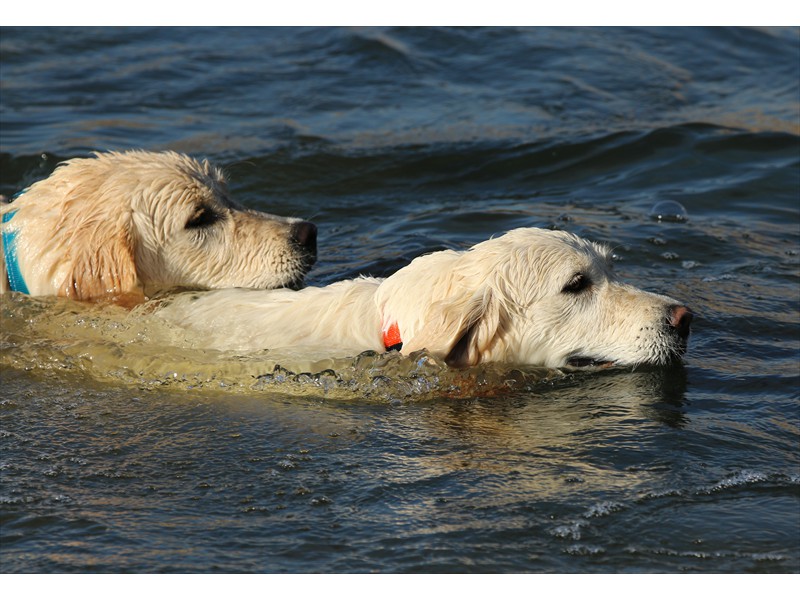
point(531, 296)
point(123, 225)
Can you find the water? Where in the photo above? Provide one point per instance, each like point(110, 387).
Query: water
point(121, 452)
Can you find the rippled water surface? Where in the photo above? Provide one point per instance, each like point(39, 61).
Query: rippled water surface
point(120, 452)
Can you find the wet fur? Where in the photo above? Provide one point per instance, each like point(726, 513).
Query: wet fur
point(115, 227)
point(504, 300)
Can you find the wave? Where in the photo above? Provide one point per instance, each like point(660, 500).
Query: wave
point(516, 159)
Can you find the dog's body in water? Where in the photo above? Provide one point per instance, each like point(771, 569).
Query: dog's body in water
point(529, 297)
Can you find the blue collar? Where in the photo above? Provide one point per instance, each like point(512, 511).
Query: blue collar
point(15, 279)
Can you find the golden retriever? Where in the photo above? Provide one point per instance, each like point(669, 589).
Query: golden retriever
point(123, 225)
point(531, 296)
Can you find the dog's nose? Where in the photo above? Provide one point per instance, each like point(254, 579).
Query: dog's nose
point(680, 319)
point(305, 235)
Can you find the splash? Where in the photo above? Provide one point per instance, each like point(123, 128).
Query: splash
point(112, 345)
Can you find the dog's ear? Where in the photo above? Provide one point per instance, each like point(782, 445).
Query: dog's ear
point(462, 328)
point(478, 330)
point(101, 258)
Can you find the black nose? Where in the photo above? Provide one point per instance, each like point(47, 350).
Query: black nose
point(305, 235)
point(679, 318)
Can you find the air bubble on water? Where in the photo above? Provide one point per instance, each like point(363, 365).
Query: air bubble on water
point(569, 531)
point(670, 211)
point(603, 508)
point(585, 550)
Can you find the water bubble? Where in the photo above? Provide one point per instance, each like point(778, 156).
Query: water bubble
point(603, 508)
point(570, 531)
point(585, 550)
point(669, 210)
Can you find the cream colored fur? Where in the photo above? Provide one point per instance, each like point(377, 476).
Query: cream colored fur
point(116, 226)
point(512, 299)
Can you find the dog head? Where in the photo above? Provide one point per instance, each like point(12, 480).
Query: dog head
point(150, 221)
point(534, 297)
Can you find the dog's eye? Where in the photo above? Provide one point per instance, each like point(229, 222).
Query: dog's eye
point(577, 284)
point(202, 217)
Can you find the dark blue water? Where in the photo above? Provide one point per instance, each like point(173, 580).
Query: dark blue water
point(121, 454)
